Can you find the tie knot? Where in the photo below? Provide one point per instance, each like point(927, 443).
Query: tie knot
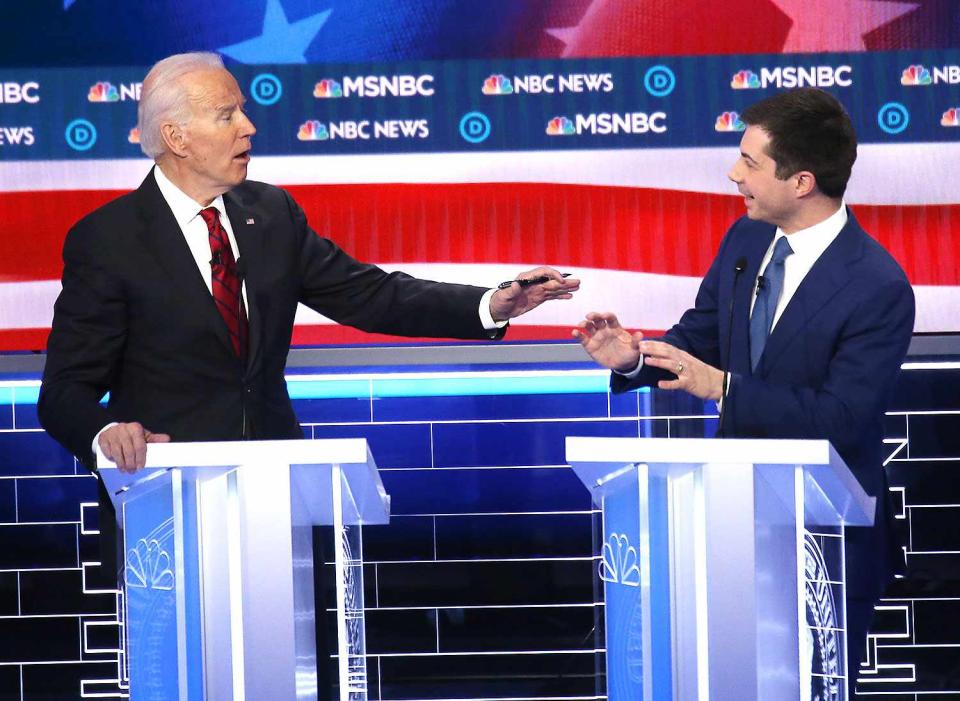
point(211, 216)
point(781, 250)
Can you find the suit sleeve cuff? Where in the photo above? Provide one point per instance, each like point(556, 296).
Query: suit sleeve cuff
point(633, 373)
point(96, 438)
point(486, 319)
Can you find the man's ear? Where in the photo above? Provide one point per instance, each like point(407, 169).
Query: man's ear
point(174, 138)
point(806, 183)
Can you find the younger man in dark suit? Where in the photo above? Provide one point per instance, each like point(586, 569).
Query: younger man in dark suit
point(801, 323)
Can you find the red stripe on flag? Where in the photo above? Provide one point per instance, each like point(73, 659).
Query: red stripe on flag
point(619, 228)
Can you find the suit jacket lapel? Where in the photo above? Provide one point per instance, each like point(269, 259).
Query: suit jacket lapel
point(162, 236)
point(825, 280)
point(247, 224)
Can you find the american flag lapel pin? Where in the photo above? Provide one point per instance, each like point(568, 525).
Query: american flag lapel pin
point(249, 220)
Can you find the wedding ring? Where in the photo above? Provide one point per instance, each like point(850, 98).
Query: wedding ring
point(679, 367)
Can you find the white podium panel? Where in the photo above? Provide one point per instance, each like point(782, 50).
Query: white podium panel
point(218, 565)
point(722, 564)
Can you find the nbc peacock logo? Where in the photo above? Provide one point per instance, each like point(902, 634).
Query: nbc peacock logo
point(951, 118)
point(497, 84)
point(915, 75)
point(560, 126)
point(745, 80)
point(327, 88)
point(313, 130)
point(729, 121)
point(103, 91)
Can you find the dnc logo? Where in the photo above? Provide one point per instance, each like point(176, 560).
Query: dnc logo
point(313, 130)
point(560, 126)
point(103, 92)
point(951, 118)
point(729, 121)
point(497, 84)
point(915, 75)
point(745, 80)
point(327, 88)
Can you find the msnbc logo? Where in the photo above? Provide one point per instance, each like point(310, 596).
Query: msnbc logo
point(745, 80)
point(134, 136)
point(313, 130)
point(915, 75)
point(560, 126)
point(729, 121)
point(327, 87)
point(103, 92)
point(497, 84)
point(951, 118)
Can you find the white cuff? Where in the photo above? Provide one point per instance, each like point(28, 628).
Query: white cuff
point(633, 373)
point(485, 317)
point(96, 438)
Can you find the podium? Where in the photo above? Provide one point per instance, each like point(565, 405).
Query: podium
point(218, 566)
point(722, 565)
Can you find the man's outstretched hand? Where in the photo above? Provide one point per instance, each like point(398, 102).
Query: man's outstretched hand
point(515, 300)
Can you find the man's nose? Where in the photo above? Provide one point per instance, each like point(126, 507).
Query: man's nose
point(246, 127)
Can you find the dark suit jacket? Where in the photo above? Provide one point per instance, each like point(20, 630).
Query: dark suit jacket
point(829, 365)
point(135, 318)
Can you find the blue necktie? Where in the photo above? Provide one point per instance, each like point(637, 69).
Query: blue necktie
point(768, 294)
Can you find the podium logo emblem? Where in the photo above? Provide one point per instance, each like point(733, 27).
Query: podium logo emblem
point(148, 566)
point(620, 563)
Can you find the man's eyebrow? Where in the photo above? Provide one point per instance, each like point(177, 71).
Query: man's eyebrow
point(748, 157)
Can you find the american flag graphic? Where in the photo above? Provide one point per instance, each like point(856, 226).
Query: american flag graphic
point(639, 227)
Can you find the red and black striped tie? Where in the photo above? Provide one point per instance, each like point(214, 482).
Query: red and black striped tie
point(226, 282)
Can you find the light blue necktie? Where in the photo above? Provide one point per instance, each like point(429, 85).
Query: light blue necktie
point(768, 294)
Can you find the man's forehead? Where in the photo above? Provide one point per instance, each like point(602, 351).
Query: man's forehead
point(754, 143)
point(214, 86)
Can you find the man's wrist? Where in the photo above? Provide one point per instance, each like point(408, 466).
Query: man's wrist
point(629, 372)
point(486, 316)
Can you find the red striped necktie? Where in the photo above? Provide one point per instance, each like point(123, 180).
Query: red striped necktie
point(227, 284)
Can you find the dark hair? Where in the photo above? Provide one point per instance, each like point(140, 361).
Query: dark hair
point(808, 130)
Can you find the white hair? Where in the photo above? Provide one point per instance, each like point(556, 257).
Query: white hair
point(163, 97)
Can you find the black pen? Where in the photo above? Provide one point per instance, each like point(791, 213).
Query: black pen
point(526, 282)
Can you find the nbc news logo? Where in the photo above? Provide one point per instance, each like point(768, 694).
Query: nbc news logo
point(920, 75)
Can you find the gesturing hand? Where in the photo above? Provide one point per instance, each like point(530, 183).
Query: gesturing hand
point(516, 300)
point(126, 445)
point(608, 343)
point(693, 375)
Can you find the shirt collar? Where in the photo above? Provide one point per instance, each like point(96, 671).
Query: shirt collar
point(814, 239)
point(184, 207)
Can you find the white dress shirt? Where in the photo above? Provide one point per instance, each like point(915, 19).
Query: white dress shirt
point(808, 245)
point(186, 211)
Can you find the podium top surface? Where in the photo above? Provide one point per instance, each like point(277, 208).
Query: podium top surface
point(698, 451)
point(834, 493)
point(339, 451)
point(308, 462)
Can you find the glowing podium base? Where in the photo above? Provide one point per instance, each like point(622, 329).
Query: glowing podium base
point(722, 565)
point(219, 581)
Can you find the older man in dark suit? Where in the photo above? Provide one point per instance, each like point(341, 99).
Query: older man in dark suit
point(179, 298)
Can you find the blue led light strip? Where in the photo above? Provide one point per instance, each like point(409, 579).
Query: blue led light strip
point(432, 384)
